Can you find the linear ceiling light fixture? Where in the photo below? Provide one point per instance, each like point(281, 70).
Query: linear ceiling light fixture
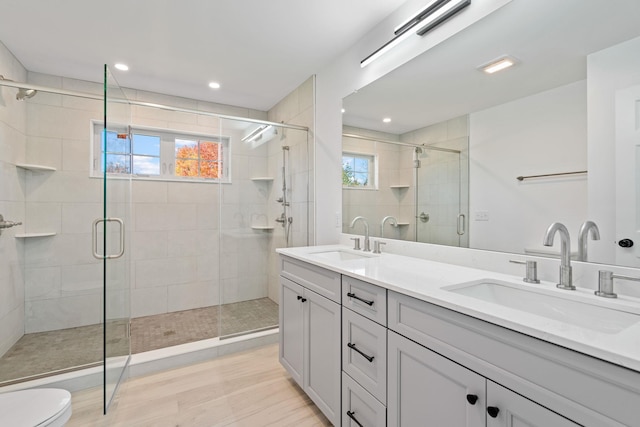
point(256, 133)
point(419, 16)
point(442, 14)
point(434, 13)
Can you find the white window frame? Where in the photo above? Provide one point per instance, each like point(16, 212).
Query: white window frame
point(167, 152)
point(372, 158)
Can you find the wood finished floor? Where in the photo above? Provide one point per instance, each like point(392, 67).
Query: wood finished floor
point(246, 389)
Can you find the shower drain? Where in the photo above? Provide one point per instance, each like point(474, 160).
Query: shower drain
point(167, 333)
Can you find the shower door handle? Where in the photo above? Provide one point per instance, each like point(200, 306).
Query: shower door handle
point(461, 225)
point(94, 236)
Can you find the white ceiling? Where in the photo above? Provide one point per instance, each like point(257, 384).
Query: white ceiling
point(258, 50)
point(551, 38)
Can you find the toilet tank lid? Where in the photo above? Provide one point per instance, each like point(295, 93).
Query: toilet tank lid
point(33, 406)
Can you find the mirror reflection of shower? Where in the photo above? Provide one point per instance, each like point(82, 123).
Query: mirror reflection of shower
point(285, 219)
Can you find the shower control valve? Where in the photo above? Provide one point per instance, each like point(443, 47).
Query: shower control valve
point(7, 224)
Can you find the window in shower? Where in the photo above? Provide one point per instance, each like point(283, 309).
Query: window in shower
point(199, 158)
point(358, 170)
point(164, 154)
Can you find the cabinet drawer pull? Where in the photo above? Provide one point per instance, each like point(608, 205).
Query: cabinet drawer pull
point(353, 347)
point(354, 296)
point(301, 299)
point(472, 398)
point(493, 411)
point(352, 415)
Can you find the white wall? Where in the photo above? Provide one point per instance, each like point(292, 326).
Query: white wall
point(608, 71)
point(345, 75)
point(540, 134)
point(13, 142)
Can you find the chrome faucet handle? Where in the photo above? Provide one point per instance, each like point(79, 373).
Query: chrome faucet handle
point(376, 246)
point(356, 243)
point(605, 283)
point(531, 272)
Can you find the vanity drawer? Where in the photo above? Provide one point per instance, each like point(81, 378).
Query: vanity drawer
point(321, 281)
point(364, 353)
point(365, 298)
point(361, 405)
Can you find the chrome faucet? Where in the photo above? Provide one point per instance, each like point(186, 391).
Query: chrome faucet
point(566, 279)
point(394, 223)
point(367, 247)
point(587, 226)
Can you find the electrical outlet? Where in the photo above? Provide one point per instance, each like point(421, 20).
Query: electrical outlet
point(482, 216)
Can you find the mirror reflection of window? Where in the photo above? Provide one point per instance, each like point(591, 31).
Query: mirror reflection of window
point(358, 170)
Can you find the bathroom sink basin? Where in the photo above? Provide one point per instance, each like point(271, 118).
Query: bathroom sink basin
point(340, 255)
point(572, 309)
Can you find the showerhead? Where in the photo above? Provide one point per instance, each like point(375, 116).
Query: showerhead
point(25, 94)
point(22, 92)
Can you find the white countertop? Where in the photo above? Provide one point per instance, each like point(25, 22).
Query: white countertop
point(425, 280)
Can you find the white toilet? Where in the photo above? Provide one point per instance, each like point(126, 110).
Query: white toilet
point(49, 407)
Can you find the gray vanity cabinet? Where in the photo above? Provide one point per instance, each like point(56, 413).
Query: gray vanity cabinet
point(427, 389)
point(515, 410)
point(373, 357)
point(310, 332)
point(291, 328)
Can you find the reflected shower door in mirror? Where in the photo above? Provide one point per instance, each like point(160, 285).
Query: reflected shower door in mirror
point(405, 188)
point(539, 149)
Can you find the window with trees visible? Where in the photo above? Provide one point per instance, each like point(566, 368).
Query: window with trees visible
point(160, 154)
point(358, 170)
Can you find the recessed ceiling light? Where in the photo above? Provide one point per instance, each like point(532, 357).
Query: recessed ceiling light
point(214, 85)
point(343, 110)
point(122, 67)
point(498, 64)
point(386, 120)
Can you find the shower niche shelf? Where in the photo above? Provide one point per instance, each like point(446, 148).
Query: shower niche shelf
point(32, 167)
point(31, 235)
point(262, 179)
point(399, 186)
point(262, 227)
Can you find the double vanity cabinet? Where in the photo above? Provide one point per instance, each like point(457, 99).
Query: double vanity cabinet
point(370, 355)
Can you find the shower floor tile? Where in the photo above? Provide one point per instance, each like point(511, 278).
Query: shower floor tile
point(43, 353)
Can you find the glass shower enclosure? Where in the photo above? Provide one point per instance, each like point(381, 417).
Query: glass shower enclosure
point(111, 239)
point(108, 255)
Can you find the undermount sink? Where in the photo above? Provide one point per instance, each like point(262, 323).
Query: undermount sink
point(546, 304)
point(340, 255)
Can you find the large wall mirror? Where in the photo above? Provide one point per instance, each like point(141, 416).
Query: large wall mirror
point(489, 161)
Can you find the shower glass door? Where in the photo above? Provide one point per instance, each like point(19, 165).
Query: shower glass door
point(111, 234)
point(441, 216)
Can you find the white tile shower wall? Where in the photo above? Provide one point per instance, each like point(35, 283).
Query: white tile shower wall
point(375, 204)
point(442, 190)
point(175, 225)
point(63, 280)
point(296, 108)
point(13, 141)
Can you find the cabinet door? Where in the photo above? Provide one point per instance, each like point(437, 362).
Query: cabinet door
point(508, 409)
point(426, 389)
point(291, 312)
point(364, 353)
point(322, 354)
point(359, 407)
